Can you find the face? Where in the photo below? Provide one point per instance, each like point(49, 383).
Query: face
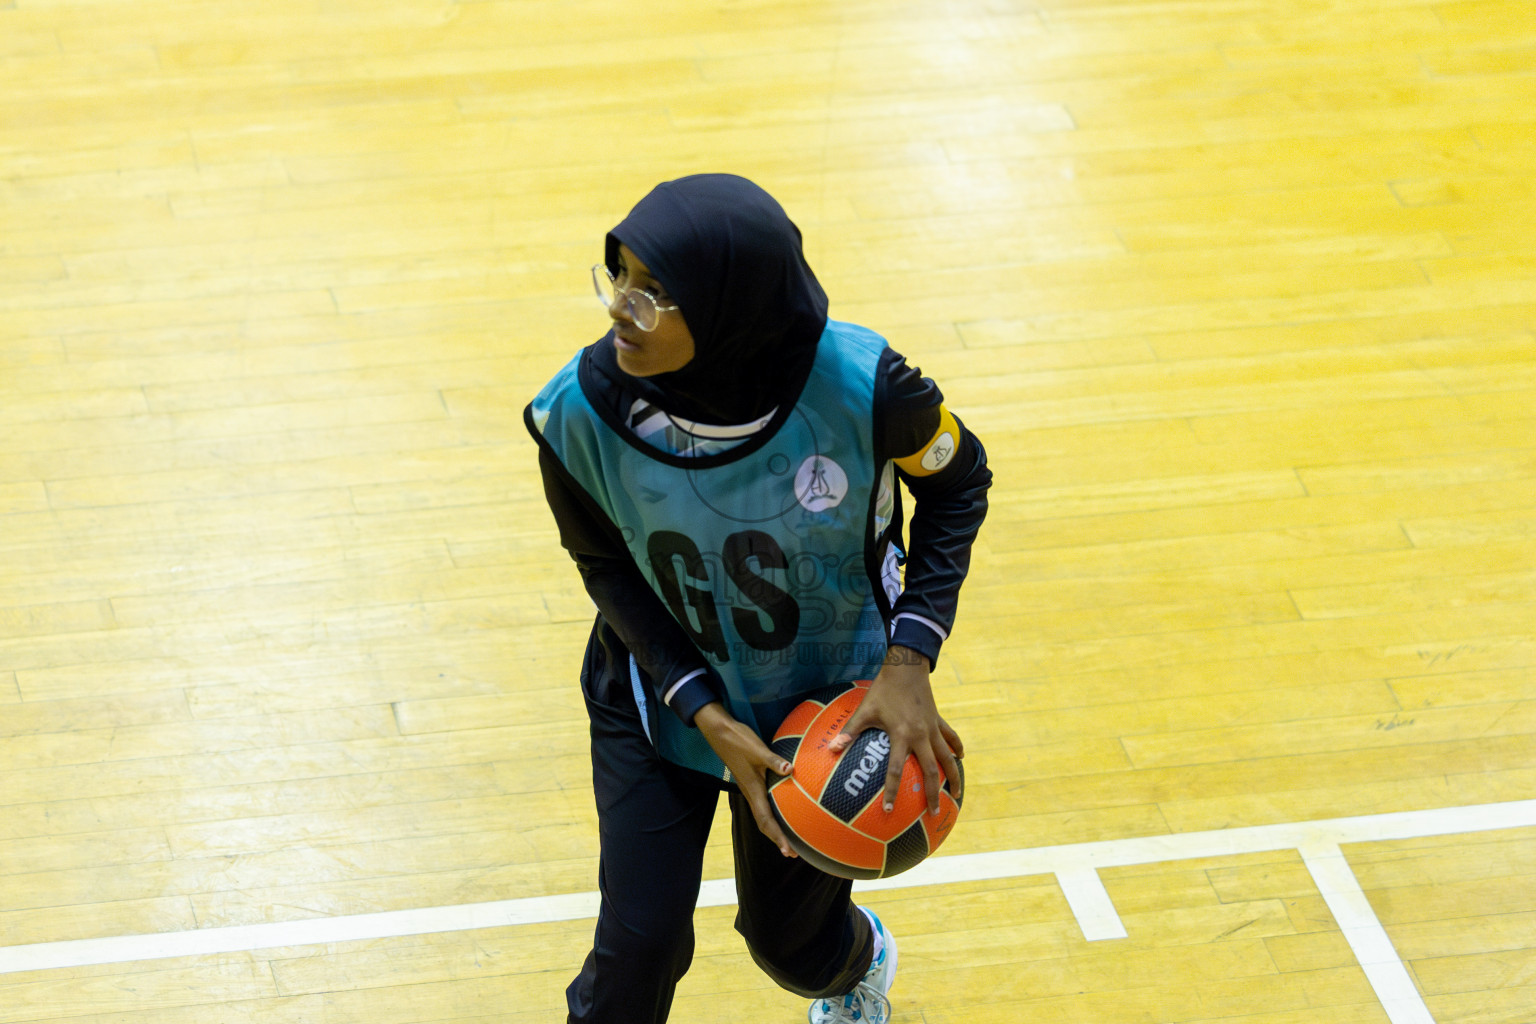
point(646, 353)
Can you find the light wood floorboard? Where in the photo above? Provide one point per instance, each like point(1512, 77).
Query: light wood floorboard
point(1239, 294)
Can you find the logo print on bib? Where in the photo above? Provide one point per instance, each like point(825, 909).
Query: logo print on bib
point(820, 484)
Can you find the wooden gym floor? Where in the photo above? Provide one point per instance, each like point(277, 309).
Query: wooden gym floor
point(1241, 295)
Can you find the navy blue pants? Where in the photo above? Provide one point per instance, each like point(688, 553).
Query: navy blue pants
point(799, 923)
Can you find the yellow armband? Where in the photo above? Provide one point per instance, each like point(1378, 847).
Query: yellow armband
point(934, 455)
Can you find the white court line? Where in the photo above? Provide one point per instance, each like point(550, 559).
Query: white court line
point(1318, 842)
point(1091, 905)
point(1362, 929)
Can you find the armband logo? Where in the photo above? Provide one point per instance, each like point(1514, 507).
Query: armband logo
point(939, 452)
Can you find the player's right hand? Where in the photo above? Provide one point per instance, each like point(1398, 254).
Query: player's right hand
point(750, 760)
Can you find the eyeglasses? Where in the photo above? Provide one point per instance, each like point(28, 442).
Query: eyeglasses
point(640, 304)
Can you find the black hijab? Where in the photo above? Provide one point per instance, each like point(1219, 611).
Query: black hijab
point(731, 259)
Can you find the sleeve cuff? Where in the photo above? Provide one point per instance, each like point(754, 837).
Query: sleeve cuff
point(688, 694)
point(918, 633)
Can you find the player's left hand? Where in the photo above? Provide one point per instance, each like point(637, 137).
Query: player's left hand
point(900, 701)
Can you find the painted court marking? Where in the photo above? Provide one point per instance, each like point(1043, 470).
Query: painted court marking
point(1090, 903)
point(1075, 865)
point(1369, 940)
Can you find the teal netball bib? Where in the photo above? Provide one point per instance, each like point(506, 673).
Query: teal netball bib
point(763, 553)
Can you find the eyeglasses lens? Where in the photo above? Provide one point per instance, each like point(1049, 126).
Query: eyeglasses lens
point(641, 307)
point(604, 285)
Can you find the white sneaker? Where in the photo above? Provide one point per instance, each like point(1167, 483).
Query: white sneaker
point(867, 1003)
